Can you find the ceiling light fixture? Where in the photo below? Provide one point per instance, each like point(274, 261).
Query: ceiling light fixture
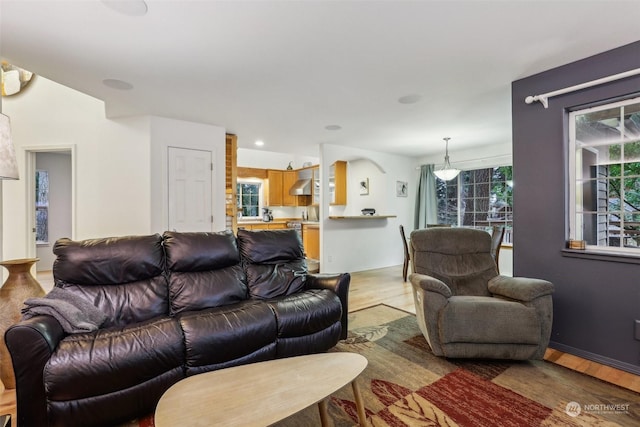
point(409, 99)
point(259, 143)
point(117, 84)
point(446, 173)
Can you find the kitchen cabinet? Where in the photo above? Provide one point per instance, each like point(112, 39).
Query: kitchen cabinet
point(263, 226)
point(311, 240)
point(338, 183)
point(277, 186)
point(274, 188)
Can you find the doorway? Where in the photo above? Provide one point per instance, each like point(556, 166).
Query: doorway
point(50, 180)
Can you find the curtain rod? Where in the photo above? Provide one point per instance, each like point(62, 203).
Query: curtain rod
point(544, 98)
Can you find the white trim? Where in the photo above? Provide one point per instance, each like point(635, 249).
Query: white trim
point(30, 168)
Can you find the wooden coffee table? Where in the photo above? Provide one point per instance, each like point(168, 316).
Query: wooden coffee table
point(260, 394)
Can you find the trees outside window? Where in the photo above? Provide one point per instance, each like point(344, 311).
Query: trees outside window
point(478, 198)
point(42, 207)
point(604, 163)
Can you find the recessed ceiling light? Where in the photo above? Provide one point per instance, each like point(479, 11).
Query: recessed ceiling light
point(409, 99)
point(117, 84)
point(333, 127)
point(259, 143)
point(127, 7)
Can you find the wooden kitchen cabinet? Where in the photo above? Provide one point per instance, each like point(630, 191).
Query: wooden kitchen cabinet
point(274, 188)
point(311, 240)
point(289, 177)
point(263, 226)
point(338, 183)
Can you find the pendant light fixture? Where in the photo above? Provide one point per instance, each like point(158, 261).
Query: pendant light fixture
point(447, 173)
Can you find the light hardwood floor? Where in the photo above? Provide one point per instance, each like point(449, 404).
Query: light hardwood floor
point(385, 286)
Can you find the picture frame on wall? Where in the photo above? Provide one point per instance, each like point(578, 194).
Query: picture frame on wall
point(364, 186)
point(402, 189)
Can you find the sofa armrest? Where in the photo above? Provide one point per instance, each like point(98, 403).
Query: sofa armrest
point(338, 283)
point(519, 288)
point(31, 343)
point(430, 284)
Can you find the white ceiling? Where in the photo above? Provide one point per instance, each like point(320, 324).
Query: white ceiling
point(281, 71)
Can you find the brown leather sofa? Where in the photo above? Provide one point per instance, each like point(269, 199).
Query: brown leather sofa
point(177, 305)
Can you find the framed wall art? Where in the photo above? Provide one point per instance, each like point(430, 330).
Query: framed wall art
point(402, 188)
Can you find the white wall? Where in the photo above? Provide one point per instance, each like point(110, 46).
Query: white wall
point(120, 164)
point(112, 163)
point(356, 245)
point(58, 165)
point(166, 133)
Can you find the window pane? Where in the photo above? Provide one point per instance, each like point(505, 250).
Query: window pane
point(485, 199)
point(42, 206)
point(607, 164)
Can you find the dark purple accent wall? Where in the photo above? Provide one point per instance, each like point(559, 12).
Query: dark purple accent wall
point(596, 300)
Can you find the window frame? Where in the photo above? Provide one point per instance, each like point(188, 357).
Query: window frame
point(253, 181)
point(574, 181)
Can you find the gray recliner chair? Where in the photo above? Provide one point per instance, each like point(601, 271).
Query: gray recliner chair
point(465, 309)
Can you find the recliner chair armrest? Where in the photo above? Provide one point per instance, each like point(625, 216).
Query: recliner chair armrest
point(520, 288)
point(338, 283)
point(31, 343)
point(430, 284)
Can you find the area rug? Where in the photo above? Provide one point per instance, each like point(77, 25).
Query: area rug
point(404, 384)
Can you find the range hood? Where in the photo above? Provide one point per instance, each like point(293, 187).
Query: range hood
point(302, 187)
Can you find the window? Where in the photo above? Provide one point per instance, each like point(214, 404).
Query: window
point(478, 198)
point(42, 207)
point(604, 163)
point(249, 198)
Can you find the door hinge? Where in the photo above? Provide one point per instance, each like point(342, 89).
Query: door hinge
point(211, 165)
point(211, 219)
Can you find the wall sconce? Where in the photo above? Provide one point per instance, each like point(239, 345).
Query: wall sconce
point(447, 173)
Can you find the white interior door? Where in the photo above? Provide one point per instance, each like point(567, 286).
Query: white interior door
point(190, 177)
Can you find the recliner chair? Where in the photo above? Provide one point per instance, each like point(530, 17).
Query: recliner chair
point(465, 309)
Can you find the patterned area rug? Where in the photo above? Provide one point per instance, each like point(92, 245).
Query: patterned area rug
point(404, 384)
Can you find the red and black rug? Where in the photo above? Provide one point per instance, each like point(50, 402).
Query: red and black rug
point(404, 384)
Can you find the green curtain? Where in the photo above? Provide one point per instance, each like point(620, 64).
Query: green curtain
point(426, 198)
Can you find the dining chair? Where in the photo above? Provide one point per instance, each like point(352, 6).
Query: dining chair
point(497, 234)
point(405, 266)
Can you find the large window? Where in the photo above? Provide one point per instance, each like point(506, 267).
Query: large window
point(605, 166)
point(478, 198)
point(249, 198)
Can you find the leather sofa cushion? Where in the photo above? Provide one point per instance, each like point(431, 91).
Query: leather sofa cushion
point(192, 252)
point(273, 247)
point(109, 360)
point(127, 303)
point(122, 276)
point(204, 270)
point(108, 261)
point(274, 262)
point(306, 312)
point(226, 336)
